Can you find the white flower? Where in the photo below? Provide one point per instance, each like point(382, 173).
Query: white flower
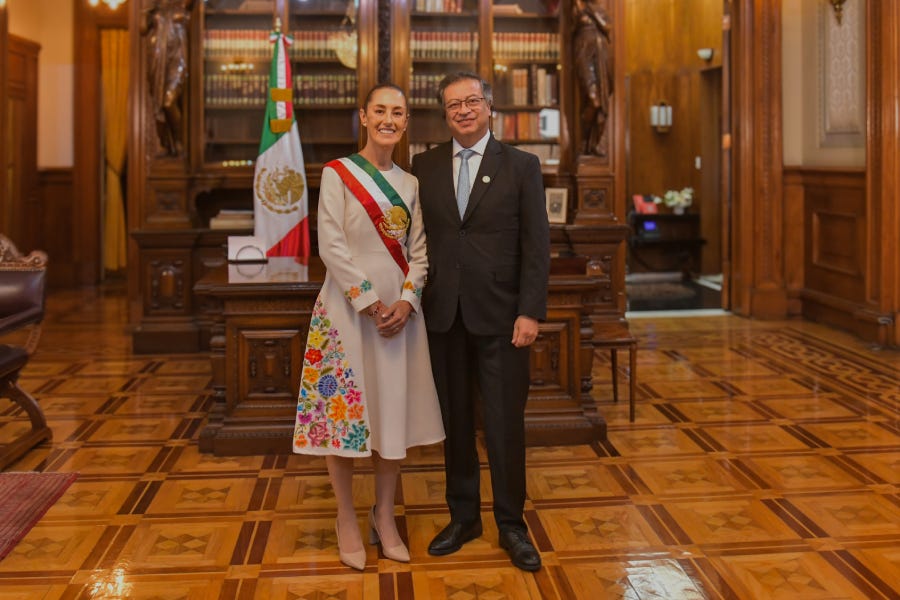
point(679, 199)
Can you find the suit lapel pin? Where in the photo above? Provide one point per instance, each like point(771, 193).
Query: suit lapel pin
point(486, 179)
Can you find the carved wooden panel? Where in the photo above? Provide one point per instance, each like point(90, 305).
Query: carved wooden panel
point(167, 205)
point(595, 200)
point(271, 360)
point(835, 207)
point(167, 283)
point(549, 359)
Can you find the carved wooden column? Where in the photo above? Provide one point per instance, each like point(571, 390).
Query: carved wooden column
point(598, 230)
point(4, 77)
point(759, 283)
point(883, 167)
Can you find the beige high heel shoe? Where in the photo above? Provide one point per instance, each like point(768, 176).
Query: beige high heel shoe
point(398, 552)
point(354, 560)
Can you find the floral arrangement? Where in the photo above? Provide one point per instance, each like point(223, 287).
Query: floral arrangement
point(675, 199)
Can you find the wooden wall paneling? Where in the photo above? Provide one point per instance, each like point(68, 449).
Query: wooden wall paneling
point(796, 233)
point(835, 218)
point(709, 194)
point(726, 162)
point(20, 210)
point(56, 235)
point(4, 122)
point(86, 139)
point(757, 220)
point(882, 286)
point(826, 253)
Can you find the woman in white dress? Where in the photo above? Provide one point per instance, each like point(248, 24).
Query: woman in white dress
point(367, 388)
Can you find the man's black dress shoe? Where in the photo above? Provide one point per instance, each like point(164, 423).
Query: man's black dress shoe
point(520, 549)
point(453, 536)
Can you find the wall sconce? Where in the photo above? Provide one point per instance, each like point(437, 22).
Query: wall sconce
point(838, 6)
point(705, 54)
point(111, 4)
point(661, 116)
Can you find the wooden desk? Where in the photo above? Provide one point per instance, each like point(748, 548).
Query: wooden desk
point(260, 314)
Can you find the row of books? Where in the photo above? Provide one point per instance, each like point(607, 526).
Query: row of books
point(422, 88)
point(523, 45)
point(236, 90)
point(526, 125)
point(253, 44)
point(447, 45)
point(439, 6)
point(526, 86)
point(548, 154)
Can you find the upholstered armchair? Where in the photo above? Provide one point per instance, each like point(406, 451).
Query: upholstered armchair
point(22, 280)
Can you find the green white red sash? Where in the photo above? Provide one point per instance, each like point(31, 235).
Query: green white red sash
point(388, 212)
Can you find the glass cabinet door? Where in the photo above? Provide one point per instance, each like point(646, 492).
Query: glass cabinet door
point(325, 59)
point(325, 68)
point(236, 57)
point(525, 50)
point(443, 38)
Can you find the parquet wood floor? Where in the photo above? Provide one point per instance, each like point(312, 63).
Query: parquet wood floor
point(763, 464)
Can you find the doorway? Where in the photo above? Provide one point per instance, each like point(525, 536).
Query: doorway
point(676, 170)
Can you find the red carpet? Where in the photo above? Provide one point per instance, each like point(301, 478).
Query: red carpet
point(24, 498)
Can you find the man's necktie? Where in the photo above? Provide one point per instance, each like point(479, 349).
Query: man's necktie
point(462, 182)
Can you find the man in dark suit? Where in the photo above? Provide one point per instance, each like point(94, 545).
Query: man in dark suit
point(488, 266)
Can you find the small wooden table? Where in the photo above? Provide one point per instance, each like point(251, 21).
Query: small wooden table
point(260, 315)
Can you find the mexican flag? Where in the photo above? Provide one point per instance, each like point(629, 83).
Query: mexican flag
point(281, 216)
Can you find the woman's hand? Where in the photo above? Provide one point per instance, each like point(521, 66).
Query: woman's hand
point(394, 318)
point(374, 311)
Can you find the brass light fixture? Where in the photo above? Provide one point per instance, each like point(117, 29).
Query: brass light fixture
point(838, 6)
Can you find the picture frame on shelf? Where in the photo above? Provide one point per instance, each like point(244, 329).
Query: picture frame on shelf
point(557, 202)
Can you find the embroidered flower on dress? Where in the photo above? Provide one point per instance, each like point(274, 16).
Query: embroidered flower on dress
point(313, 356)
point(325, 417)
point(407, 285)
point(355, 412)
point(327, 386)
point(354, 292)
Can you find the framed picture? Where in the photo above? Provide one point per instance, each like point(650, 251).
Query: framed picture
point(556, 204)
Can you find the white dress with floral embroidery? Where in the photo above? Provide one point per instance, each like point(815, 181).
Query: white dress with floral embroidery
point(360, 391)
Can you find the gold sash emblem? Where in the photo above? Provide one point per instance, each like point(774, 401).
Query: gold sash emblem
point(280, 190)
point(394, 223)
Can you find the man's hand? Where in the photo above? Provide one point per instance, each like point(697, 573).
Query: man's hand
point(525, 331)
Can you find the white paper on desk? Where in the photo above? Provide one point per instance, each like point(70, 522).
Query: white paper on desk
point(246, 272)
point(277, 269)
point(246, 248)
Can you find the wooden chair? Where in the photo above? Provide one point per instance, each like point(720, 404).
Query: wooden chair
point(616, 336)
point(22, 294)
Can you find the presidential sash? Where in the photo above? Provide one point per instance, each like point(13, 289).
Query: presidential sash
point(385, 207)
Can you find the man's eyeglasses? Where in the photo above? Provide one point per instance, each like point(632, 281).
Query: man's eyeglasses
point(472, 102)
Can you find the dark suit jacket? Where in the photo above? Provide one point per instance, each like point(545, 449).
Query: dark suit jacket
point(494, 262)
